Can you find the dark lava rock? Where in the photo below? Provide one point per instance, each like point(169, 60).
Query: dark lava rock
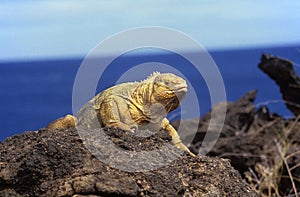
point(239, 117)
point(57, 163)
point(250, 137)
point(283, 73)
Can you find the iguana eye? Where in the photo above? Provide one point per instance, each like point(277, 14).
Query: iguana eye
point(167, 83)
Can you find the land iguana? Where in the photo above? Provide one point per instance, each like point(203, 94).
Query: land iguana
point(133, 106)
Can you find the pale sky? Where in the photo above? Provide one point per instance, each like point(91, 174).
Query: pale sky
point(31, 29)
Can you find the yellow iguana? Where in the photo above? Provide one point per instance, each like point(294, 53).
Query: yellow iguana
point(133, 105)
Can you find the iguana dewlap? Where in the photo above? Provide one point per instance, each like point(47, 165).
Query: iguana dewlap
point(135, 105)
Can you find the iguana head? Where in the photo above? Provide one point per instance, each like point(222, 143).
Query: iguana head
point(168, 90)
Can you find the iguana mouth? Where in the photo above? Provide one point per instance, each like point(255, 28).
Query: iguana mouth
point(177, 91)
point(179, 88)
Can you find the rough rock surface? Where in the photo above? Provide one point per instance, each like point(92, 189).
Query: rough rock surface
point(249, 138)
point(239, 117)
point(56, 163)
point(255, 141)
point(283, 73)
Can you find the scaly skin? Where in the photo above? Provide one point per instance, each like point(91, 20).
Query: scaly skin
point(137, 105)
point(68, 121)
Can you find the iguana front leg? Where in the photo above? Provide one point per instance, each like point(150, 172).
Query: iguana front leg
point(115, 112)
point(175, 137)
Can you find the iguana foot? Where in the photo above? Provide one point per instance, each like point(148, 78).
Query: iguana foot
point(181, 146)
point(175, 137)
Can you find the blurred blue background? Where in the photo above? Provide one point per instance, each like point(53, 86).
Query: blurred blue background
point(43, 43)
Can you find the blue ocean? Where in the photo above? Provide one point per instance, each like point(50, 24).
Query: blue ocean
point(34, 93)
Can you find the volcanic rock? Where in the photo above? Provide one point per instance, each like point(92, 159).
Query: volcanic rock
point(61, 163)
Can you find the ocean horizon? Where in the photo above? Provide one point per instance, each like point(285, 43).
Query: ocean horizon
point(36, 92)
